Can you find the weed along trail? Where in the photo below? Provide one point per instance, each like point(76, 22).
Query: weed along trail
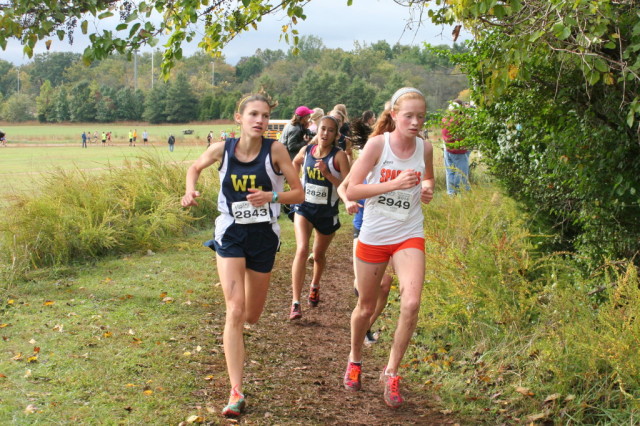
point(294, 369)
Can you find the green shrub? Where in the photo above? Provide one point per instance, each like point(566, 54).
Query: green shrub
point(78, 216)
point(504, 328)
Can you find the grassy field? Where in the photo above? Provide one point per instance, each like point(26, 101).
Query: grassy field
point(20, 167)
point(37, 133)
point(507, 334)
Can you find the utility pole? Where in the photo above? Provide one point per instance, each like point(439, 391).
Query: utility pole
point(135, 70)
point(152, 55)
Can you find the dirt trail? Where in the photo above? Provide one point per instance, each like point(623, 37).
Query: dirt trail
point(294, 370)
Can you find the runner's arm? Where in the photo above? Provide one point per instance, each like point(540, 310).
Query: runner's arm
point(206, 159)
point(428, 181)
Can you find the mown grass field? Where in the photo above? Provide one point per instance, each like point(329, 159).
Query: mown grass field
point(22, 168)
point(38, 133)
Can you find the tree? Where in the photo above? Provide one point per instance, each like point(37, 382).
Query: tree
point(181, 105)
point(8, 82)
point(154, 107)
point(45, 103)
point(130, 104)
point(18, 107)
point(106, 106)
point(217, 23)
point(51, 67)
point(559, 95)
point(248, 68)
point(82, 105)
point(62, 112)
point(359, 97)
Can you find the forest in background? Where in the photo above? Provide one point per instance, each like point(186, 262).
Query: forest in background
point(58, 87)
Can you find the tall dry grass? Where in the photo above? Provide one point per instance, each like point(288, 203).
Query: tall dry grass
point(509, 334)
point(77, 217)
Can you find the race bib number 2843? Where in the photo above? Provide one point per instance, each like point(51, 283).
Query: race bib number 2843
point(244, 213)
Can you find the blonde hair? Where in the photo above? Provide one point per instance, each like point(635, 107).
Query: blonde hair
point(343, 109)
point(318, 113)
point(385, 122)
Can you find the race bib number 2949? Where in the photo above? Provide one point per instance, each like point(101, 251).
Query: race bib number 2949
point(394, 204)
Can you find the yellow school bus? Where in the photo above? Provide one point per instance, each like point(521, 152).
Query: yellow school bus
point(274, 130)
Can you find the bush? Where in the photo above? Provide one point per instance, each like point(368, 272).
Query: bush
point(77, 216)
point(507, 334)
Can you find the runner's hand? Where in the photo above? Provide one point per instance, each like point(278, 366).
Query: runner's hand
point(259, 198)
point(426, 195)
point(352, 207)
point(189, 199)
point(407, 179)
point(324, 169)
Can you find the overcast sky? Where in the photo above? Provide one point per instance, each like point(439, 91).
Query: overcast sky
point(337, 24)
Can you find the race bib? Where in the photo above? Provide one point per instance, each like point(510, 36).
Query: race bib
point(316, 194)
point(394, 205)
point(244, 213)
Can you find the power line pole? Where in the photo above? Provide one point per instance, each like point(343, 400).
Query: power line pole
point(135, 70)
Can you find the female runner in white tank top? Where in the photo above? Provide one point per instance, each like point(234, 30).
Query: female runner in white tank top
point(398, 168)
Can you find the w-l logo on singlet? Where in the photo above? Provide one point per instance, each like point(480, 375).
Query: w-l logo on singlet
point(240, 185)
point(314, 173)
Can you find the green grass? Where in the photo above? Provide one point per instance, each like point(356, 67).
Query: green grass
point(21, 169)
point(111, 347)
point(506, 334)
point(37, 133)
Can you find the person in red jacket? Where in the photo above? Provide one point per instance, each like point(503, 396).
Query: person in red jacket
point(456, 156)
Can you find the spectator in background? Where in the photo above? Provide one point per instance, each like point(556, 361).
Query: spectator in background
point(345, 129)
point(209, 138)
point(130, 138)
point(145, 137)
point(84, 139)
point(103, 138)
point(456, 156)
point(314, 121)
point(344, 143)
point(294, 135)
point(135, 136)
point(171, 142)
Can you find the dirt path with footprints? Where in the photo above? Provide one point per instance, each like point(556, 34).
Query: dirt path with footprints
point(294, 370)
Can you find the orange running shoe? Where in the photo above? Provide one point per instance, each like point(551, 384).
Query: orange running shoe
point(392, 395)
point(352, 376)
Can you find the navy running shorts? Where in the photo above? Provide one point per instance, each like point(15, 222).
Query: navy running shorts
point(257, 243)
point(324, 225)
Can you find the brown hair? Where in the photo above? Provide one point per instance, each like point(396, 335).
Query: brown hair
point(252, 97)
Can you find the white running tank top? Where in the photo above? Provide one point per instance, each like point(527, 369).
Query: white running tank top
point(396, 216)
